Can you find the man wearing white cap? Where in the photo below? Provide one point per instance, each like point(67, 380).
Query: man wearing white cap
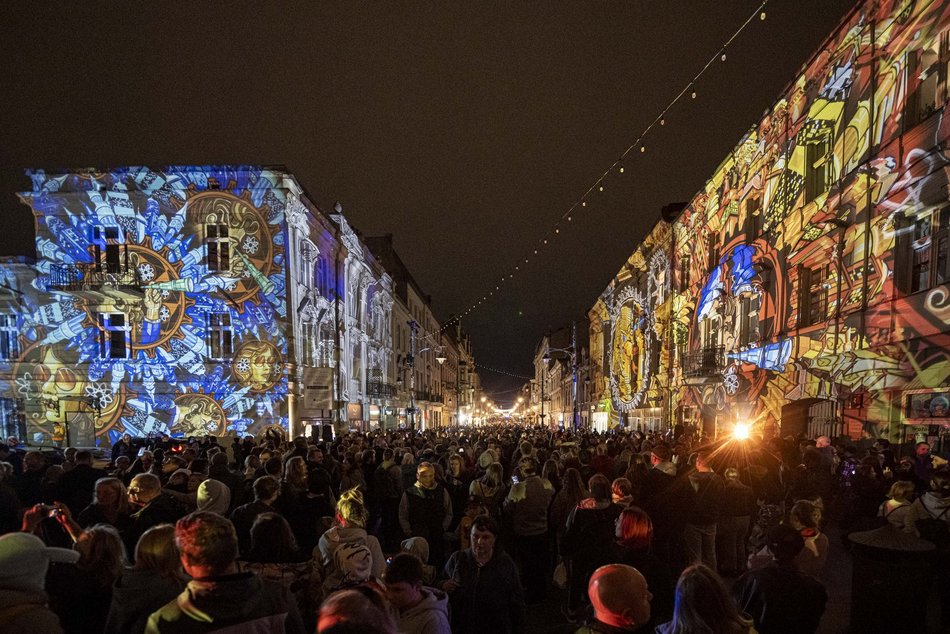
point(24, 559)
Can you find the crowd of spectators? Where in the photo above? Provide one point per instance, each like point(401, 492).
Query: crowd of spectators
point(444, 531)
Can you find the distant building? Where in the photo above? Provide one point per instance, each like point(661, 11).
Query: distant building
point(805, 287)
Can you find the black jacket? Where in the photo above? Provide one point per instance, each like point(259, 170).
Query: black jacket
point(489, 599)
point(163, 509)
point(781, 600)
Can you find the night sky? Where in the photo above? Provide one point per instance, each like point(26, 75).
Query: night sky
point(465, 129)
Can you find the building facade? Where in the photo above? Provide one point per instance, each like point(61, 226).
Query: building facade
point(804, 288)
point(192, 300)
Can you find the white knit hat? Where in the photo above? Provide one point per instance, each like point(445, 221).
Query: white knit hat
point(24, 559)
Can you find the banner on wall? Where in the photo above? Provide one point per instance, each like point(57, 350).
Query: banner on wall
point(317, 391)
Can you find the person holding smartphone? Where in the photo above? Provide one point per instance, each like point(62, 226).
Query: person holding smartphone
point(528, 502)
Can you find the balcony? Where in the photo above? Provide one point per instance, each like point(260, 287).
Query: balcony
point(378, 389)
point(431, 397)
point(704, 366)
point(92, 277)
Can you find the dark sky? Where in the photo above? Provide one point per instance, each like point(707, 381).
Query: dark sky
point(465, 129)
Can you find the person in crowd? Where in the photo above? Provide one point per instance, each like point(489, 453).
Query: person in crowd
point(146, 463)
point(780, 598)
point(154, 580)
point(266, 490)
point(24, 562)
point(110, 505)
point(213, 496)
point(621, 492)
point(527, 504)
point(703, 604)
point(388, 482)
point(700, 531)
point(897, 505)
point(420, 610)
point(588, 540)
point(551, 472)
point(668, 501)
point(219, 596)
point(274, 555)
point(934, 504)
point(29, 486)
point(361, 610)
point(124, 448)
point(419, 548)
point(805, 517)
point(482, 582)
point(122, 469)
point(812, 479)
point(150, 507)
point(457, 483)
point(9, 502)
point(732, 528)
point(620, 597)
point(425, 510)
point(565, 501)
point(634, 538)
point(407, 466)
point(82, 593)
point(923, 462)
point(490, 489)
point(75, 487)
point(349, 531)
point(219, 470)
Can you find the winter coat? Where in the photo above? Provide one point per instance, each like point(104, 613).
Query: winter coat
point(135, 595)
point(242, 602)
point(781, 600)
point(163, 509)
point(26, 612)
point(709, 489)
point(425, 512)
point(528, 502)
point(333, 539)
point(926, 506)
point(489, 598)
point(301, 578)
point(429, 616)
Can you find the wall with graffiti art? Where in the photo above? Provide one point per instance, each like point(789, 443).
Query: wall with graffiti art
point(806, 287)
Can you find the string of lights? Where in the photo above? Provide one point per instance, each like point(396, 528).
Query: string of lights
point(617, 166)
point(505, 372)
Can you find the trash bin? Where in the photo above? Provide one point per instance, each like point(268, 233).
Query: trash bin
point(890, 581)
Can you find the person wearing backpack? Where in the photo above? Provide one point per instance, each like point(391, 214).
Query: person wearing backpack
point(348, 554)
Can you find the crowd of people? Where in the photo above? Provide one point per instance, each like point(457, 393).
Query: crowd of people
point(450, 530)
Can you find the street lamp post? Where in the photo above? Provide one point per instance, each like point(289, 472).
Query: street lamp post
point(411, 362)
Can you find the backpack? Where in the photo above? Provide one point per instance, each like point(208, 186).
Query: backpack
point(354, 562)
point(934, 528)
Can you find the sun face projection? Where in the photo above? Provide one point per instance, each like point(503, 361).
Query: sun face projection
point(630, 346)
point(199, 415)
point(257, 366)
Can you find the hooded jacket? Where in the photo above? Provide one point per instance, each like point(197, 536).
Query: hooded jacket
point(429, 616)
point(241, 601)
point(135, 595)
point(926, 506)
point(489, 598)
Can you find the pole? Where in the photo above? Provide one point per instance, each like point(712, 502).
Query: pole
point(544, 370)
point(412, 374)
point(574, 421)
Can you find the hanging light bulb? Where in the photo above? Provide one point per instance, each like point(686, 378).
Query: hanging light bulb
point(556, 230)
point(723, 58)
point(569, 218)
point(583, 203)
point(662, 121)
point(693, 94)
point(762, 16)
point(621, 168)
point(526, 260)
point(601, 188)
point(535, 251)
point(545, 241)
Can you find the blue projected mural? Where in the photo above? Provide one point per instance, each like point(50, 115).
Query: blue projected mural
point(162, 303)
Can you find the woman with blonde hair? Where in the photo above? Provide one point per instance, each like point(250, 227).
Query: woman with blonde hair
point(154, 580)
point(349, 528)
point(490, 489)
point(898, 503)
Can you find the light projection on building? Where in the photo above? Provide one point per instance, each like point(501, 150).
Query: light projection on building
point(811, 273)
point(162, 298)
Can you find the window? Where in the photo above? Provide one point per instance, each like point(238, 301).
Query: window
point(220, 336)
point(684, 272)
point(749, 319)
point(923, 247)
point(309, 343)
point(325, 278)
point(9, 337)
point(812, 295)
point(218, 247)
point(113, 336)
point(110, 255)
point(713, 246)
point(819, 167)
point(926, 80)
point(753, 219)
